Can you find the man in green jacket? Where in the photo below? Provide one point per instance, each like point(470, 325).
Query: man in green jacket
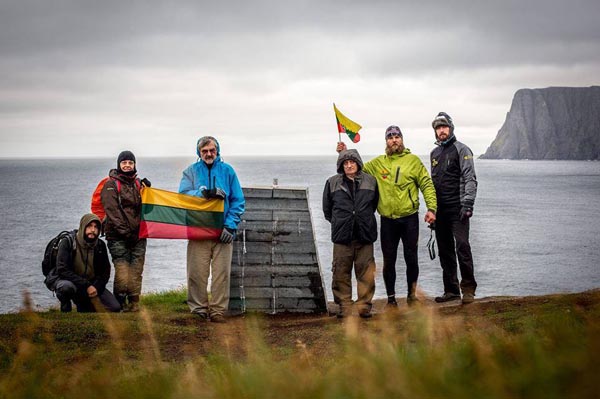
point(400, 175)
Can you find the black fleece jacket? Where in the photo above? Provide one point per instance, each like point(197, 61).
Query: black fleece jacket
point(350, 205)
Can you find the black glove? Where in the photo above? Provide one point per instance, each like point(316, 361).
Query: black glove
point(146, 182)
point(219, 194)
point(227, 235)
point(465, 213)
point(213, 193)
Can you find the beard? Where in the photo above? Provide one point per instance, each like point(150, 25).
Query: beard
point(90, 240)
point(394, 149)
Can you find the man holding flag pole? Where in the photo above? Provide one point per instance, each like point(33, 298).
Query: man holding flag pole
point(350, 199)
point(400, 176)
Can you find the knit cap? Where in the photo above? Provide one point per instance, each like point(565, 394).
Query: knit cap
point(393, 129)
point(125, 156)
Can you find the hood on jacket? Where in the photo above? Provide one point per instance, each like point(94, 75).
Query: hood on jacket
point(349, 155)
point(216, 143)
point(83, 223)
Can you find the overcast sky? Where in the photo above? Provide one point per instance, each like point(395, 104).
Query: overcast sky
point(91, 78)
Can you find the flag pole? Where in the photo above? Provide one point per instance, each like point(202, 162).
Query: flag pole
point(337, 127)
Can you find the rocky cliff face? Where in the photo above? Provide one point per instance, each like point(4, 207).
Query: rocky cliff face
point(551, 123)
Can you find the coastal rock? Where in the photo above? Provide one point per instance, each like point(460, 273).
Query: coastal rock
point(550, 123)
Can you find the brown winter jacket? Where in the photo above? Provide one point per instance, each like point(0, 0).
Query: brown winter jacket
point(122, 209)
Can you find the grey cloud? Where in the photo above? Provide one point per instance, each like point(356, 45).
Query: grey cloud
point(184, 33)
point(169, 67)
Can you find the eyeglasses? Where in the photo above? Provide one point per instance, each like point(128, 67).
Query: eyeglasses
point(209, 151)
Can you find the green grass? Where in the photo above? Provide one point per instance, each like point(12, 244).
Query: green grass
point(544, 347)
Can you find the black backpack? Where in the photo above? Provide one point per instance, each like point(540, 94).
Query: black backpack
point(49, 261)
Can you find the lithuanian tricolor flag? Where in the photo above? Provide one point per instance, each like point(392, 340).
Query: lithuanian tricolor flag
point(347, 126)
point(172, 215)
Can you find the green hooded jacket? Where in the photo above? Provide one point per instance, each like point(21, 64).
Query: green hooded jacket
point(399, 179)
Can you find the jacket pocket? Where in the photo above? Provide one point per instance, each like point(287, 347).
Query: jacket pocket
point(414, 204)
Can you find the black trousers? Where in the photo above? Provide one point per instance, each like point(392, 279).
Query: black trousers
point(392, 231)
point(67, 291)
point(452, 237)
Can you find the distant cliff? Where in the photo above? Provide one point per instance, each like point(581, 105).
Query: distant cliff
point(551, 123)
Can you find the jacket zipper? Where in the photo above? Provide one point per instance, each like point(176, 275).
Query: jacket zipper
point(87, 257)
point(410, 197)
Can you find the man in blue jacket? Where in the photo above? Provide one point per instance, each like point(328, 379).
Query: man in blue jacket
point(210, 178)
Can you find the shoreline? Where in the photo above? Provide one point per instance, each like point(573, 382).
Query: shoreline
point(378, 303)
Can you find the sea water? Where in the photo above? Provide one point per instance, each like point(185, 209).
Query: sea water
point(534, 231)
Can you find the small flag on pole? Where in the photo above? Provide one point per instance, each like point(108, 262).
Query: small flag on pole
point(347, 126)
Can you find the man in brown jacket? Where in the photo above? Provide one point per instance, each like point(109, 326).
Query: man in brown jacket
point(122, 202)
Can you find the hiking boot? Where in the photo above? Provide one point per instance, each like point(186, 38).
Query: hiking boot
point(133, 307)
point(202, 316)
point(345, 309)
point(391, 304)
point(447, 297)
point(343, 312)
point(412, 300)
point(366, 314)
point(468, 298)
point(218, 318)
point(66, 306)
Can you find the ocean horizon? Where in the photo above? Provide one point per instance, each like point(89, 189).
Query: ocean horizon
point(534, 229)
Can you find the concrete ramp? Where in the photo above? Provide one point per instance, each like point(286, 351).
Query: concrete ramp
point(275, 265)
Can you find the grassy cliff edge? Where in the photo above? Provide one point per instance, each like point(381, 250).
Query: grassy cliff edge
point(529, 347)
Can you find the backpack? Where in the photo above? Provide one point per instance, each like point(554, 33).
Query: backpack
point(49, 261)
point(96, 206)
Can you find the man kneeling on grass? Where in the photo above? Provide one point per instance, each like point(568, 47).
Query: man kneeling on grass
point(83, 270)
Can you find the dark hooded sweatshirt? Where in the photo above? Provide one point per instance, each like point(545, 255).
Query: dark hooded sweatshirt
point(349, 205)
point(88, 264)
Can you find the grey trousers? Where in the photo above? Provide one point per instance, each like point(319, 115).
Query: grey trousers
point(208, 258)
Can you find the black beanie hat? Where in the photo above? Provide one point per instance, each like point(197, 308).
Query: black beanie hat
point(125, 156)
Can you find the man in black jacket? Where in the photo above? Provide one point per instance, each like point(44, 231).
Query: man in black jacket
point(453, 175)
point(83, 270)
point(349, 203)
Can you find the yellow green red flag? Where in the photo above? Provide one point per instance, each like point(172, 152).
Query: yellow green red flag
point(347, 126)
point(178, 216)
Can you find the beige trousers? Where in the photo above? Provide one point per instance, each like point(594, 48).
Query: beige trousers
point(345, 257)
point(208, 258)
